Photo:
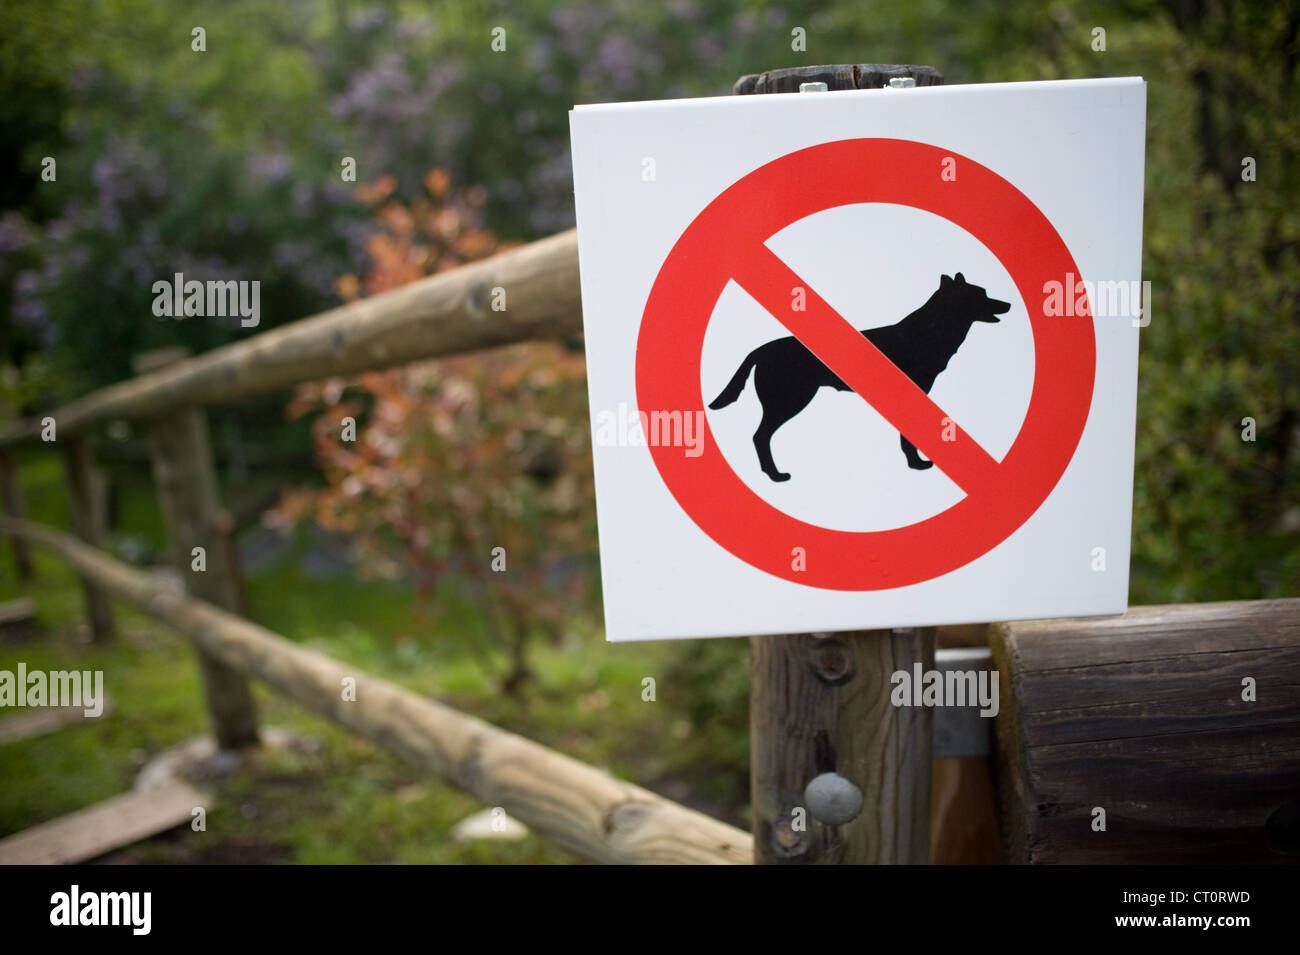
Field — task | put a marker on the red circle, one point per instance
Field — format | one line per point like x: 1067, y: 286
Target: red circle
x: 788, y: 189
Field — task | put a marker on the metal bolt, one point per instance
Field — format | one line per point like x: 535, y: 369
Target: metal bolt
x: 813, y: 87
x: 832, y: 799
x: 901, y: 82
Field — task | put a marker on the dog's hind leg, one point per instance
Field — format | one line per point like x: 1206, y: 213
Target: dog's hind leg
x: 763, y: 445
x: 914, y: 459
x: 781, y: 399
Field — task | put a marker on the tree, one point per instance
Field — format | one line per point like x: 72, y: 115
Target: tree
x: 477, y: 467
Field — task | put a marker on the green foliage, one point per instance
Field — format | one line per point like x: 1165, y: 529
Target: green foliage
x: 1217, y: 517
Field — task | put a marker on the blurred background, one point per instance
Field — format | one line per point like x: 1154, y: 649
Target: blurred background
x: 226, y: 163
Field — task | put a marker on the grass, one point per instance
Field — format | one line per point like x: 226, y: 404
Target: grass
x: 341, y: 799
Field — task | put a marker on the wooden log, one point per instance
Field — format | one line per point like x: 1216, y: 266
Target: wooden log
x: 103, y: 827
x: 1144, y: 716
x: 17, y: 611
x: 186, y: 481
x: 41, y: 721
x: 580, y: 807
x: 88, y: 522
x: 440, y: 315
x: 11, y: 498
x: 819, y: 705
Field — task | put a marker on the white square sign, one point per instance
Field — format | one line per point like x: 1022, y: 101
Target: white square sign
x: 862, y: 359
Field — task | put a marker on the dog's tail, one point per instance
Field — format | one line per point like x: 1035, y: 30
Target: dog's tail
x: 737, y: 383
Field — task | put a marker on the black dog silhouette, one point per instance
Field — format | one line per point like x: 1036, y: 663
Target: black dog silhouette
x: 921, y: 345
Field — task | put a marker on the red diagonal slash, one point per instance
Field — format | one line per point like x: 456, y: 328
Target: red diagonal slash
x: 865, y: 369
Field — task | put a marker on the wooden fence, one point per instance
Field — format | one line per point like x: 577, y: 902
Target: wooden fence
x: 582, y: 808
x: 1137, y: 715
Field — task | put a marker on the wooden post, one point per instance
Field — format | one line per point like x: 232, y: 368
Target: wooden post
x: 12, y: 496
x: 820, y: 704
x: 88, y: 522
x: 187, y: 491
x: 228, y: 536
x: 820, y: 709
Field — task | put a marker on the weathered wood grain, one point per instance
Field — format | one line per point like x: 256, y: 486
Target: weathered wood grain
x: 578, y: 806
x: 1143, y: 715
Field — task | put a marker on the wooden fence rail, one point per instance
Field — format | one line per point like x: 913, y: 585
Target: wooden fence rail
x: 440, y: 315
x: 580, y: 807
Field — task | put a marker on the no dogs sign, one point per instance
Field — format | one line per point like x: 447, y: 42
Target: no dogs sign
x: 862, y: 359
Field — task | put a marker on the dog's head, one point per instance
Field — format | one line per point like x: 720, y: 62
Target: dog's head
x: 970, y: 301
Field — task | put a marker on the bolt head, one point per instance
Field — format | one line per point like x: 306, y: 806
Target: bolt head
x: 832, y: 799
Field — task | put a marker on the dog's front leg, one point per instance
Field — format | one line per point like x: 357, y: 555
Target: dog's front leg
x: 914, y: 459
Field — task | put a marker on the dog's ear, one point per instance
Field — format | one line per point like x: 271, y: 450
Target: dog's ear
x: 961, y: 279
x: 945, y: 281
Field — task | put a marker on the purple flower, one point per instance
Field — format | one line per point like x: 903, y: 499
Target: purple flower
x: 27, y: 283
x: 366, y: 18
x: 301, y: 197
x: 15, y: 233
x: 708, y: 49
x: 269, y: 167
x: 526, y: 120
x: 411, y: 27
x: 684, y: 9
x: 618, y: 56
